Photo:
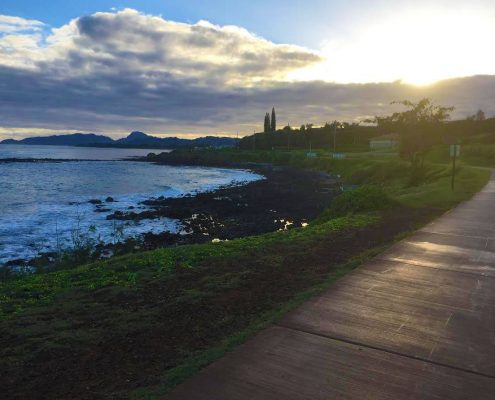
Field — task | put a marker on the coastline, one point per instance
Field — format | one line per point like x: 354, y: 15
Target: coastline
x: 287, y: 197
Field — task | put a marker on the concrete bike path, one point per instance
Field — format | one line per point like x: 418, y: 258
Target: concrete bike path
x: 417, y: 322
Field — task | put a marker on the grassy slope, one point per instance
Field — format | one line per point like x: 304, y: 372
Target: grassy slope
x: 474, y: 154
x: 127, y: 271
x: 160, y: 292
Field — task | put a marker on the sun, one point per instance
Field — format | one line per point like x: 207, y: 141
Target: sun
x: 418, y: 47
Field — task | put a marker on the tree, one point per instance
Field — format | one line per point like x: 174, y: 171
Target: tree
x: 480, y: 115
x: 418, y: 127
x: 302, y: 128
x: 274, y: 120
x: 267, y: 126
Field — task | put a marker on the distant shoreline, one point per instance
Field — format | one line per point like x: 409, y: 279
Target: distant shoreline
x: 98, y: 146
x: 44, y: 160
x: 60, y: 160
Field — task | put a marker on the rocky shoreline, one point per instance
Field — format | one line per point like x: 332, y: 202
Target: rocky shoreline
x: 34, y: 160
x: 11, y: 160
x: 286, y: 198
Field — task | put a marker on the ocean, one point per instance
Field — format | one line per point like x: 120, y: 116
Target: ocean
x: 43, y: 205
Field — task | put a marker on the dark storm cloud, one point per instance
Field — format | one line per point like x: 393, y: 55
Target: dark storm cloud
x: 122, y: 71
x: 102, y: 101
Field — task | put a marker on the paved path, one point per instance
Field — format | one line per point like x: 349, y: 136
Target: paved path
x: 417, y: 322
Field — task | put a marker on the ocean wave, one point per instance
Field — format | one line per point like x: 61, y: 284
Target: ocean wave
x: 49, y: 204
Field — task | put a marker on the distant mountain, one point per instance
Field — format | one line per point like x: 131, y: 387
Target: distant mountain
x: 75, y: 139
x: 135, y: 139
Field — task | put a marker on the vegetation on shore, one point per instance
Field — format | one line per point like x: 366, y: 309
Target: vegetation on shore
x: 354, y: 137
x: 426, y: 186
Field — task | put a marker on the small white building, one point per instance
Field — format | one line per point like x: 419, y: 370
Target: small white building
x: 390, y: 141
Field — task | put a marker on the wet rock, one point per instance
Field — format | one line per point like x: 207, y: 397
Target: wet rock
x: 168, y: 212
x: 17, y: 262
x: 102, y: 210
x: 95, y: 201
x: 109, y: 199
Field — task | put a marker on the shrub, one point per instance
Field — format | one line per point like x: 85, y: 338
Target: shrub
x: 364, y: 198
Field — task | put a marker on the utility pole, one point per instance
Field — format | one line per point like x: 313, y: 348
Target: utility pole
x: 334, y: 136
x: 455, y: 151
x: 288, y: 137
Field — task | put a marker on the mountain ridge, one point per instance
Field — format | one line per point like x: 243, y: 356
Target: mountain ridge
x: 134, y: 139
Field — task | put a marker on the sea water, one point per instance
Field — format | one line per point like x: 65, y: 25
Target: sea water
x: 44, y: 204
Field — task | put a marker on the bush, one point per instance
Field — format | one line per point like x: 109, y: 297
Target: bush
x: 417, y: 176
x: 363, y: 199
x: 380, y: 172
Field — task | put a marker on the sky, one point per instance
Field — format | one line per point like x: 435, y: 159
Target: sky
x: 191, y: 68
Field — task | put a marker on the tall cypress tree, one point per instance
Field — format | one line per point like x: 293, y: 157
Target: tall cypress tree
x: 267, y: 123
x: 274, y: 120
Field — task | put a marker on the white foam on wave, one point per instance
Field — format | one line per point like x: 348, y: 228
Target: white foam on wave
x: 51, y: 225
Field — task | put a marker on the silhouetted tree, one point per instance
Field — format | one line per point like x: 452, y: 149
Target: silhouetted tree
x: 322, y: 137
x: 267, y: 127
x: 274, y: 120
x: 480, y: 115
x: 418, y: 126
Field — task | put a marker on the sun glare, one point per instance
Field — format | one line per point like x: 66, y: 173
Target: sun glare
x: 417, y: 47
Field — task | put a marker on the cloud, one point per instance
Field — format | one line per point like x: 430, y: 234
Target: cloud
x: 128, y: 42
x: 121, y: 71
x: 20, y: 40
x: 12, y: 24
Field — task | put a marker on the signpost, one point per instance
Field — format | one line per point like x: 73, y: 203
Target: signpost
x: 455, y: 152
x: 310, y: 153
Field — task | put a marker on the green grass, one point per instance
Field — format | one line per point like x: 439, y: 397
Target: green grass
x: 479, y: 154
x: 393, y: 175
x: 472, y: 154
x: 42, y: 289
x: 436, y: 190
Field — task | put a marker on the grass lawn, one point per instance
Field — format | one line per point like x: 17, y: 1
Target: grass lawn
x: 134, y: 326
